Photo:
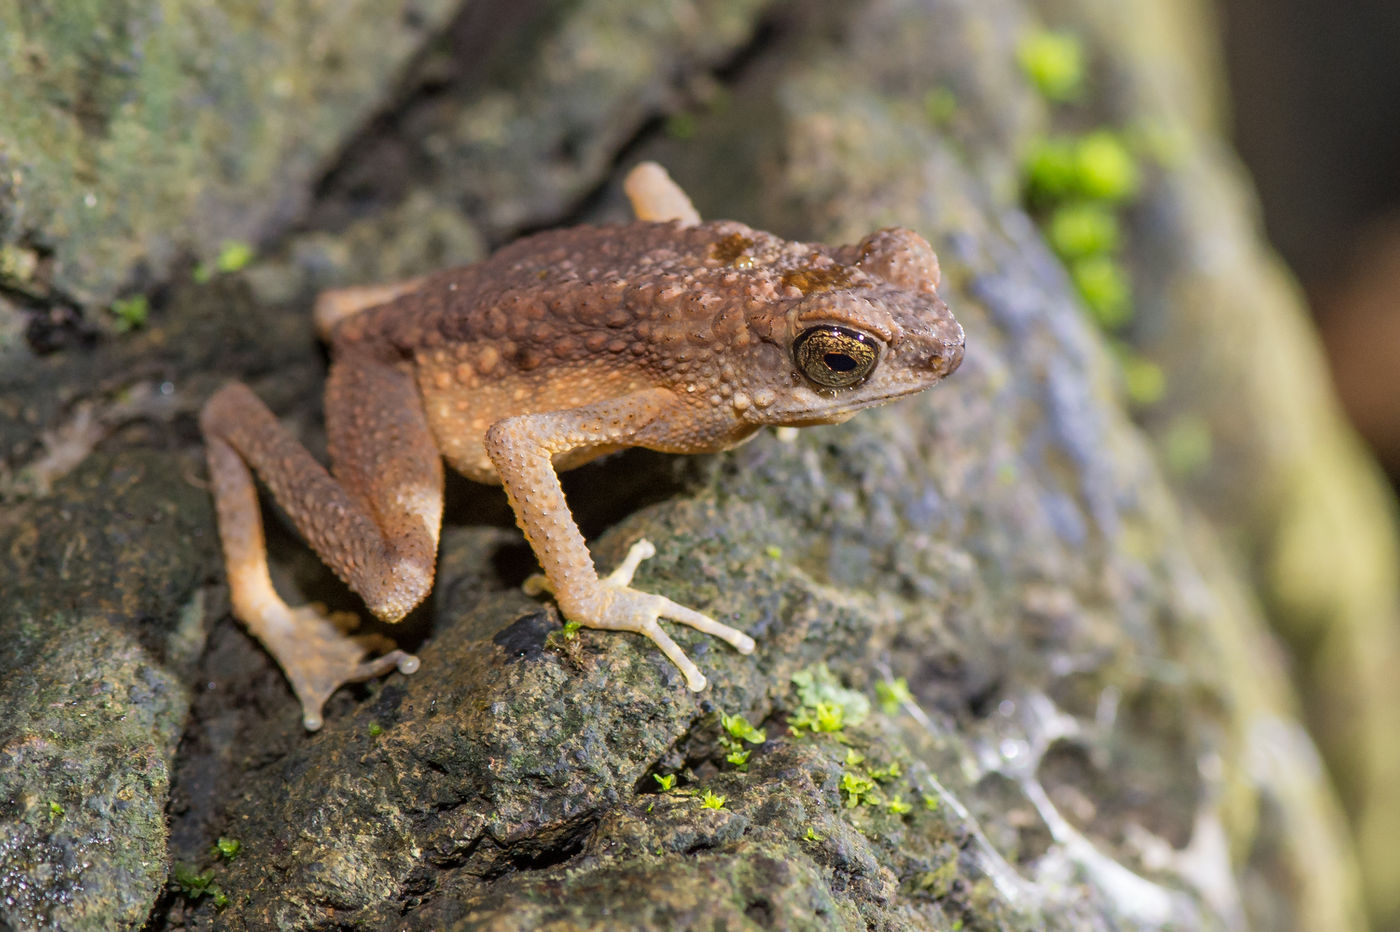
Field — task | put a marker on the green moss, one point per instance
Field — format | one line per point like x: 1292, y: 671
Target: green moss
x: 131, y: 313
x: 939, y: 881
x: 1050, y: 170
x: 892, y: 694
x: 665, y: 781
x: 1054, y: 63
x: 228, y: 848
x: 1083, y: 228
x: 1103, y: 284
x: 233, y: 256
x: 1097, y: 166
x: 1104, y: 168
x: 1143, y: 379
x: 712, y: 800
x: 818, y: 686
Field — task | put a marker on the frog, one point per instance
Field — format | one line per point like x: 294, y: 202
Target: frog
x: 664, y: 332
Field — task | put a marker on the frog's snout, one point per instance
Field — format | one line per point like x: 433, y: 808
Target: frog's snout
x: 942, y: 349
x: 952, y: 355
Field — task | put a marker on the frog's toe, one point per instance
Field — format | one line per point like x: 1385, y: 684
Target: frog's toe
x: 318, y: 658
x: 641, y: 612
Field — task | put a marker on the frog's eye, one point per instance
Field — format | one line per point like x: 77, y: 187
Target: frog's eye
x: 835, y: 357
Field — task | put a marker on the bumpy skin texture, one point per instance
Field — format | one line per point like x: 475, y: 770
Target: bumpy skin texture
x: 668, y: 334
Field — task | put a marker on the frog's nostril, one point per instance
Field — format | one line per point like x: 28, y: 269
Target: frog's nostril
x: 951, y: 357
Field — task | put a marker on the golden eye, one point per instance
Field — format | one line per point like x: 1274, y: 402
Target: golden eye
x: 835, y: 357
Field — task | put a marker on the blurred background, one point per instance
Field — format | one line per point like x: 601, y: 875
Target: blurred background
x: 1315, y: 89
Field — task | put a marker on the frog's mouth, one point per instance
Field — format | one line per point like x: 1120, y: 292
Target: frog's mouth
x: 836, y: 413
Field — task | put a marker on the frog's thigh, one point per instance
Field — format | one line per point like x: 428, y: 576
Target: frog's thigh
x: 335, y: 305
x: 655, y: 196
x: 384, y: 456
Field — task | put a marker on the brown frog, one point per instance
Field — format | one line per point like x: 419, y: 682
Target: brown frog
x: 665, y: 333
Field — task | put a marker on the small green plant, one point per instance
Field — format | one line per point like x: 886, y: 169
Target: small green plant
x: 375, y: 729
x: 812, y: 835
x: 1103, y: 284
x: 892, y: 694
x: 773, y: 552
x: 571, y: 629
x: 854, y: 758
x: 194, y: 885
x: 56, y: 809
x: 228, y: 848
x: 1104, y: 168
x: 856, y: 788
x: 712, y: 800
x: 825, y: 717
x: 818, y: 691
x: 1054, y: 62
x: 1050, y: 171
x: 1083, y: 228
x: 1093, y: 167
x: 1142, y: 378
x: 898, y: 806
x: 930, y: 802
x: 739, y: 727
x: 890, y: 772
x: 131, y: 313
x: 737, y: 730
x: 665, y: 780
x: 233, y: 256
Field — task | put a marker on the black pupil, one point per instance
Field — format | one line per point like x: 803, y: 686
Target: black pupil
x: 839, y: 362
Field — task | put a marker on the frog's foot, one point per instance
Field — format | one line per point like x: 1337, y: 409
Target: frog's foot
x: 318, y: 656
x: 654, y: 196
x: 616, y: 606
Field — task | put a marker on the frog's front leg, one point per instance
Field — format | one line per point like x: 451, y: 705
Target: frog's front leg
x: 375, y: 521
x: 522, y: 449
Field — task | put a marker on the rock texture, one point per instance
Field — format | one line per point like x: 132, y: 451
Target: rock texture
x: 1099, y: 730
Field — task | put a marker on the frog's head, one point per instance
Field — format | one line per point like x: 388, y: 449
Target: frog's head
x: 868, y: 329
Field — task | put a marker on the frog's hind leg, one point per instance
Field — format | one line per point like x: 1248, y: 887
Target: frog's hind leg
x: 378, y: 531
x: 335, y: 305
x: 655, y: 196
